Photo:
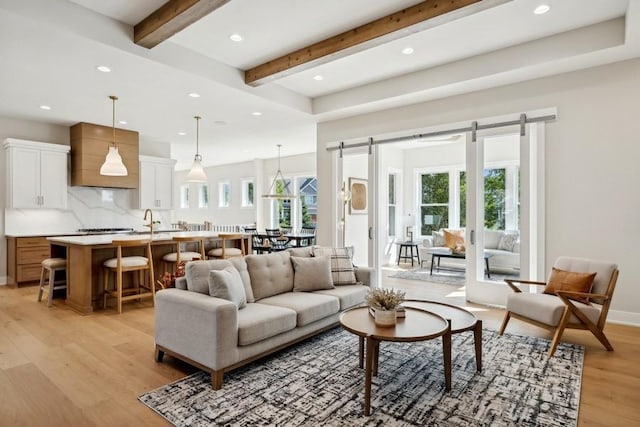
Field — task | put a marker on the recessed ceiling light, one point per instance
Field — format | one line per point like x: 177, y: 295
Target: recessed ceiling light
x: 182, y: 133
x: 318, y: 77
x: 219, y: 123
x: 543, y: 8
x: 122, y: 122
x: 194, y: 95
x: 256, y: 113
x: 103, y: 68
x: 236, y: 37
x: 407, y: 50
x: 45, y: 107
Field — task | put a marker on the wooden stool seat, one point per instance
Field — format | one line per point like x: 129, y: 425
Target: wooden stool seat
x: 178, y: 256
x: 228, y: 252
x: 50, y: 266
x: 122, y: 264
x: 184, y: 256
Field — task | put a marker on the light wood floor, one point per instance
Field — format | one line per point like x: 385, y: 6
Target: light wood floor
x: 58, y: 368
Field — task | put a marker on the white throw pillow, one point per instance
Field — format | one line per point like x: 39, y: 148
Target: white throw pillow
x: 311, y: 274
x: 508, y: 241
x: 227, y: 284
x: 342, y: 270
x: 437, y: 238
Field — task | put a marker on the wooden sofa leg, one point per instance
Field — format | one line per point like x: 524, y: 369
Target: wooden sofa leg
x: 159, y: 355
x: 216, y: 379
x: 507, y: 316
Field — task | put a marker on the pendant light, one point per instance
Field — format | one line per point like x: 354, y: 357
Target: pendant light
x: 273, y: 193
x: 113, y: 165
x: 196, y: 174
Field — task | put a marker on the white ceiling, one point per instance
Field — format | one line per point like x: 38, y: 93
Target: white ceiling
x: 49, y: 50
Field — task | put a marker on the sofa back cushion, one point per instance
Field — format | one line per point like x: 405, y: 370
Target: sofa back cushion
x: 305, y: 251
x: 492, y: 238
x: 197, y: 275
x: 271, y: 274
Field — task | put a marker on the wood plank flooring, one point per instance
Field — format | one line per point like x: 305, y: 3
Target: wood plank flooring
x: 58, y: 368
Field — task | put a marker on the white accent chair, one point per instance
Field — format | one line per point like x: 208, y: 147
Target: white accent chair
x: 560, y: 311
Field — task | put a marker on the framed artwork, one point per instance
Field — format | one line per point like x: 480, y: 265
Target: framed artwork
x: 359, y: 203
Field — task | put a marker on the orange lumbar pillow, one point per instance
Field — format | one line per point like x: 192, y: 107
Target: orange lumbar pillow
x: 453, y: 239
x: 570, y: 281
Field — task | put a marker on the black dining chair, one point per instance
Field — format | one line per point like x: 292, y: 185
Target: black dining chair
x: 277, y: 240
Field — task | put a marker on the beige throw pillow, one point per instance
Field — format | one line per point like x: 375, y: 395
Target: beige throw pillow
x: 311, y: 274
x: 227, y: 284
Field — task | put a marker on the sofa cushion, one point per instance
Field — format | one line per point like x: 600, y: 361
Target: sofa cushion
x: 508, y: 240
x: 197, y: 274
x: 348, y: 295
x: 257, y: 322
x: 311, y: 274
x: 309, y: 307
x: 342, y: 270
x: 437, y: 238
x: 492, y: 238
x: 563, y: 280
x: 271, y: 274
x: 547, y: 309
x: 227, y: 284
x: 305, y: 251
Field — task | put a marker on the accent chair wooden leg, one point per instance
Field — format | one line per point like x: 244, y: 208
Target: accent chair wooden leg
x: 159, y: 355
x: 559, y: 330
x: 507, y: 316
x: 601, y: 337
x: 216, y: 379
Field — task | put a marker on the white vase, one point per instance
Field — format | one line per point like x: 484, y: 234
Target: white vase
x: 385, y: 318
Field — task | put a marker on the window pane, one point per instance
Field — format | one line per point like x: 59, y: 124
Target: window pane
x: 433, y: 218
x: 224, y: 194
x: 435, y: 188
x: 494, y: 198
x: 463, y: 199
x: 308, y: 191
x: 392, y: 189
x: 392, y: 220
x: 203, y: 196
x: 184, y: 196
x: 250, y: 193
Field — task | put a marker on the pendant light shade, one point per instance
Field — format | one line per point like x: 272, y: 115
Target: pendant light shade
x: 279, y: 191
x: 196, y: 173
x: 113, y: 165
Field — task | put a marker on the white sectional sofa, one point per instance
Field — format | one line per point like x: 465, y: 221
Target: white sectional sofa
x: 218, y: 334
x: 503, y: 246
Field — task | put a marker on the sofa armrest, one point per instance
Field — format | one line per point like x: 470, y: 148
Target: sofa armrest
x: 200, y: 327
x: 181, y: 283
x: 367, y: 276
x: 427, y: 242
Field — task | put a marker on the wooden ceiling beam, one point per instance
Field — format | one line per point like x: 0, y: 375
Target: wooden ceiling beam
x: 170, y: 18
x: 352, y: 41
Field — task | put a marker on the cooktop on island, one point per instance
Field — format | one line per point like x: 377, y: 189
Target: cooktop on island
x: 105, y: 230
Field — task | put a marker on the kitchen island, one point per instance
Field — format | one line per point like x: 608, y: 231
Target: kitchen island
x: 85, y: 255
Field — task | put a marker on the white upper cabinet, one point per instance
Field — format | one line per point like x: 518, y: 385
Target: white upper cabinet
x: 36, y: 174
x: 156, y: 183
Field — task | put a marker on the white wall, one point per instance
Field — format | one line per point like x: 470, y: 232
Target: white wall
x: 592, y: 151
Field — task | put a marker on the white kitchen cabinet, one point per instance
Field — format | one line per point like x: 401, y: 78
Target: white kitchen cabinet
x: 156, y: 183
x: 36, y: 174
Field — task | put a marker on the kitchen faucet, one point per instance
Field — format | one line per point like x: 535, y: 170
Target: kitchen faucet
x: 150, y: 225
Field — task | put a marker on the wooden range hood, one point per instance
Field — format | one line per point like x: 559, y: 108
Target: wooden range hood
x: 89, y: 146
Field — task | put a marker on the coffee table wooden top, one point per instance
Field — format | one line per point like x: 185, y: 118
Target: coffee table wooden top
x: 418, y: 325
x: 461, y: 319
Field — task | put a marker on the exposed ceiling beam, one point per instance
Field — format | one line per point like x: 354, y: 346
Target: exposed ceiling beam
x: 355, y: 40
x: 170, y: 18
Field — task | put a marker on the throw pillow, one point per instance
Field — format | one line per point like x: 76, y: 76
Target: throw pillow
x: 342, y: 270
x: 562, y: 280
x: 311, y: 274
x: 437, y: 238
x: 227, y: 284
x: 454, y: 239
x: 508, y: 240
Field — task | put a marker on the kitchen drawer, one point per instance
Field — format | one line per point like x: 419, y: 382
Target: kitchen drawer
x: 33, y: 255
x: 27, y: 242
x: 28, y: 272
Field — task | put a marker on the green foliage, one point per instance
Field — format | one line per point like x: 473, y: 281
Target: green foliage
x: 306, y: 217
x: 494, y: 198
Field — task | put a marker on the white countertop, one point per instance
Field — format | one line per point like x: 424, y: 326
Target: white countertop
x: 106, y: 239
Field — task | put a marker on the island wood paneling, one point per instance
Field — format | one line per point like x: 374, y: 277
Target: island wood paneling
x: 89, y: 146
x: 24, y: 258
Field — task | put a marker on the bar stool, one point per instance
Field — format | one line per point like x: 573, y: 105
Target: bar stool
x: 174, y: 258
x: 123, y: 264
x: 51, y: 266
x: 228, y: 252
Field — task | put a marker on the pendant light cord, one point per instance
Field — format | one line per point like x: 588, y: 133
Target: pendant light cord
x: 113, y: 116
x: 197, y: 136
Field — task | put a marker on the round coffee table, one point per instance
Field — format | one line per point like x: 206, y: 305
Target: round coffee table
x: 417, y: 325
x: 461, y: 321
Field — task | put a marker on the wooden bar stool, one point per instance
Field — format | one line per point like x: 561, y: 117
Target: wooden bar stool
x: 228, y: 252
x: 123, y: 264
x: 51, y: 266
x: 174, y: 258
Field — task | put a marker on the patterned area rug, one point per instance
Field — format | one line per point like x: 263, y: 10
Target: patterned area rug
x: 446, y: 277
x: 318, y: 382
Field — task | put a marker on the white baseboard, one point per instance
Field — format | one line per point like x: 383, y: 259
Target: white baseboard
x: 624, y: 317
x: 4, y: 280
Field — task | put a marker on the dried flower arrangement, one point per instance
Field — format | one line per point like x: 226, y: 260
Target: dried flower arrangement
x: 384, y: 298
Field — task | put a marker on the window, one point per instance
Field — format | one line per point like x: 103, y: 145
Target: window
x: 203, y: 196
x: 308, y: 190
x: 247, y: 193
x: 434, y: 202
x: 224, y: 194
x: 391, y: 202
x: 184, y: 196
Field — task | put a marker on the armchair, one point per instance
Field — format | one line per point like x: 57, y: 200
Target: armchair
x: 563, y: 310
